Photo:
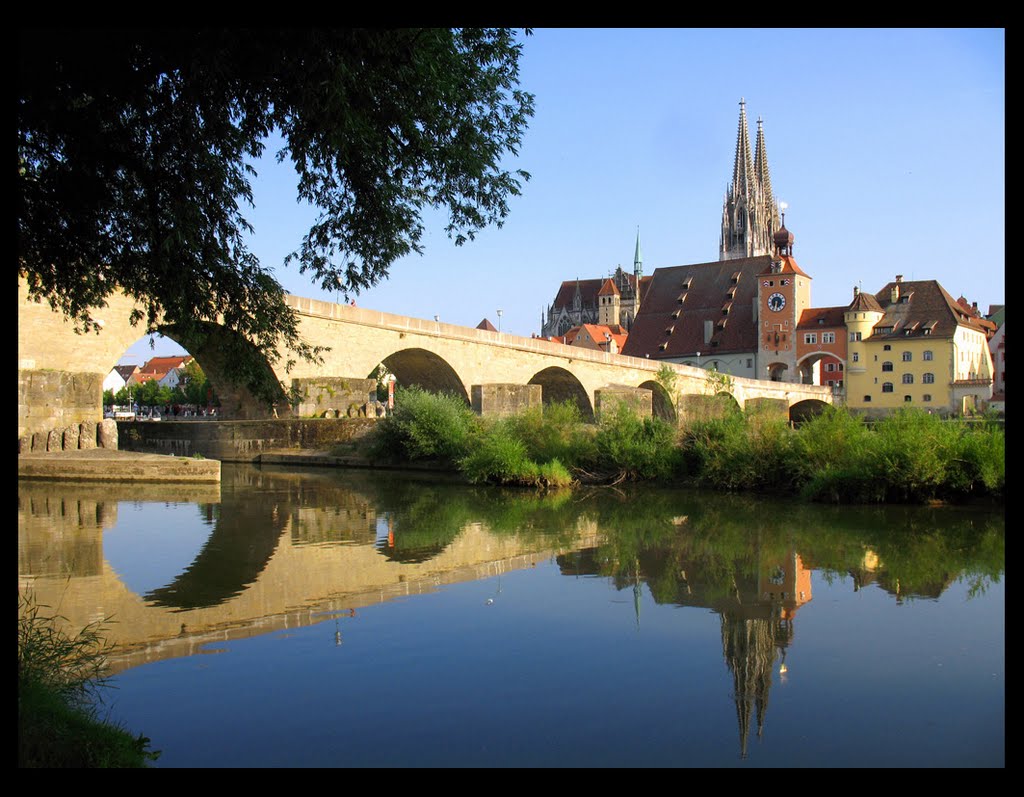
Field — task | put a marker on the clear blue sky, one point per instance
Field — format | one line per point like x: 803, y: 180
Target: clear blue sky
x: 888, y: 146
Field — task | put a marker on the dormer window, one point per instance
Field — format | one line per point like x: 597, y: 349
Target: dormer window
x: 675, y: 314
x: 736, y: 277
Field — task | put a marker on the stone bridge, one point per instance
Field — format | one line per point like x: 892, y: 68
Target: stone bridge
x: 60, y: 373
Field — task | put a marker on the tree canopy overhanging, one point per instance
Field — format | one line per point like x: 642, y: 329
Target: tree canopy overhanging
x: 135, y: 151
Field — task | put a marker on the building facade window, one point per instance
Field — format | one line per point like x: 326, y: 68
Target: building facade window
x: 927, y: 355
x: 886, y: 347
x: 908, y: 379
x: 828, y: 337
x: 887, y: 387
x: 927, y: 397
x: 907, y: 399
x: 928, y: 379
x: 856, y: 357
x: 867, y: 399
x: 908, y: 356
x: 830, y: 367
x: 810, y: 337
x: 854, y: 336
x: 887, y: 366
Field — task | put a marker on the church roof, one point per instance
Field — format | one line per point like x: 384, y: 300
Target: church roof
x: 487, y: 325
x: 608, y: 288
x: 680, y: 299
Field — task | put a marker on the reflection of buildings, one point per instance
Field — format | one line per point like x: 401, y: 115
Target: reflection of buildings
x: 756, y: 602
x: 757, y: 628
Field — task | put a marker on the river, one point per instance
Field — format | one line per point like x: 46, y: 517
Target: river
x: 346, y: 618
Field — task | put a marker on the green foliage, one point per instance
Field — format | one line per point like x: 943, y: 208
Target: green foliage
x: 635, y: 447
x: 556, y: 431
x: 666, y: 377
x: 716, y: 382
x: 740, y: 451
x: 500, y: 457
x: 426, y: 426
x: 59, y: 682
x: 135, y: 151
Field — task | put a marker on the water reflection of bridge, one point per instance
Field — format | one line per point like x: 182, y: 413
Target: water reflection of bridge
x: 287, y: 560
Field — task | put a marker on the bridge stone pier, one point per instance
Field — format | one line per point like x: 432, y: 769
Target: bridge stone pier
x: 60, y: 373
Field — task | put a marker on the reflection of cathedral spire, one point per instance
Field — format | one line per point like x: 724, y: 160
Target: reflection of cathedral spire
x: 749, y: 649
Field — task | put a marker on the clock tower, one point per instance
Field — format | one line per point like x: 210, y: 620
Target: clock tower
x: 783, y: 293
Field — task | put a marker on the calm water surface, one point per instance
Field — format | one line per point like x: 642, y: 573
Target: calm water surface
x: 322, y: 618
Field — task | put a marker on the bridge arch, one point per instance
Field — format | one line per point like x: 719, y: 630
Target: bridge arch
x: 217, y: 349
x: 662, y: 405
x: 425, y: 370
x: 559, y: 385
x: 806, y: 409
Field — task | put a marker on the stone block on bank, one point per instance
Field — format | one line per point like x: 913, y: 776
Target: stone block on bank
x: 54, y: 440
x: 87, y: 434
x: 70, y: 438
x: 107, y: 436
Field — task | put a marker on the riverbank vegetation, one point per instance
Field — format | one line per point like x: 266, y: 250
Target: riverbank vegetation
x: 836, y: 457
x: 60, y: 678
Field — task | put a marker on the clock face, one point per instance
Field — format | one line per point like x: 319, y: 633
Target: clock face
x: 776, y: 302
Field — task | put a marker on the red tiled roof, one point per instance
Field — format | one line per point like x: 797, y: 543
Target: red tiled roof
x: 818, y: 317
x: 669, y: 305
x: 162, y: 365
x: 608, y: 288
x: 487, y: 325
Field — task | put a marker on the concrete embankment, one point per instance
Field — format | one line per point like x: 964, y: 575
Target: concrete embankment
x: 111, y: 465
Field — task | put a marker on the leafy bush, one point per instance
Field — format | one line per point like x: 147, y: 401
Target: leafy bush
x: 635, y: 448
x: 426, y: 426
x: 555, y: 431
x: 499, y: 457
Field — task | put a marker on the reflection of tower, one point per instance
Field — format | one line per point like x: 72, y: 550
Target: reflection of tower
x: 753, y: 633
x: 749, y: 649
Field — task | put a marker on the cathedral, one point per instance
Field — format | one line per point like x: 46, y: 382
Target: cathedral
x: 750, y: 216
x: 580, y: 302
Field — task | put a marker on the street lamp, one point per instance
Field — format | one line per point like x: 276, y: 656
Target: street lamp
x: 499, y: 320
x: 698, y: 359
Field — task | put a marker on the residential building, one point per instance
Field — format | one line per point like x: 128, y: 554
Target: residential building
x: 912, y: 344
x: 118, y: 377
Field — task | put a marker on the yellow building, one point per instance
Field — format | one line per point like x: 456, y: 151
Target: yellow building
x: 913, y: 345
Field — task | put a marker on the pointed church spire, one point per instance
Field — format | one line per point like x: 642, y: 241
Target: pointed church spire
x: 749, y: 213
x: 638, y: 258
x: 742, y: 170
x: 764, y: 179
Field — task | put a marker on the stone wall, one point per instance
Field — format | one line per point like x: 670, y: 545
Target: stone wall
x: 239, y: 441
x: 332, y: 397
x: 57, y: 399
x: 503, y: 399
x: 639, y: 400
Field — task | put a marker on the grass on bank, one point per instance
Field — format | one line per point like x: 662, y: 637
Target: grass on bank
x: 60, y: 678
x: 836, y: 456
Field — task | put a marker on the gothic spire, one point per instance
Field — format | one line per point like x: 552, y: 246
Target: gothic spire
x: 764, y: 179
x: 638, y: 258
x: 742, y: 170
